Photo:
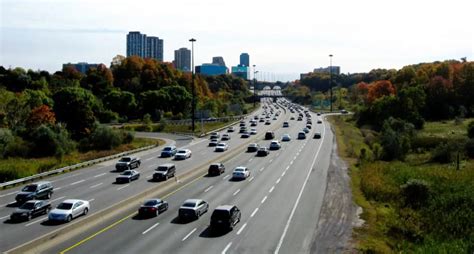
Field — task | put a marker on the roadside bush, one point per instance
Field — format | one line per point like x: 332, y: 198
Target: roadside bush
x: 470, y: 129
x: 127, y: 137
x: 425, y: 142
x: 17, y: 148
x: 6, y: 138
x: 444, y: 153
x: 102, y: 138
x: 108, y: 116
x: 50, y: 141
x: 395, y: 138
x: 415, y: 193
x: 469, y: 147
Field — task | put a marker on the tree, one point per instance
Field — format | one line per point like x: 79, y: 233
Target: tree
x: 396, y: 137
x: 122, y: 102
x: 379, y: 89
x: 41, y: 115
x: 99, y: 80
x: 51, y: 141
x: 75, y: 106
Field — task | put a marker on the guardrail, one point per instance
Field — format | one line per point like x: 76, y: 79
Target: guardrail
x: 72, y: 167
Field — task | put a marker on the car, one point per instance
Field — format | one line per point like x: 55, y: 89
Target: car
x: 274, y: 118
x: 318, y: 114
x: 165, y: 171
x: 215, y: 135
x: 168, y: 151
x: 183, y: 154
x: 253, y: 124
x: 253, y: 147
x: 292, y: 118
x: 127, y: 163
x: 225, y: 136
x: 193, y: 209
x: 216, y: 169
x: 243, y: 129
x: 263, y: 151
x: 301, y: 135
x: 152, y: 207
x: 286, y: 125
x: 343, y: 111
x: 269, y: 135
x: 69, y: 209
x: 319, y: 121
x: 213, y: 142
x: 240, y: 173
x: 308, y: 126
x: 261, y: 120
x: 275, y: 145
x: 231, y: 129
x: 267, y: 122
x: 242, y: 124
x: 300, y: 118
x: 253, y: 131
x: 286, y: 137
x: 245, y: 135
x: 221, y: 147
x: 306, y: 130
x: 127, y: 176
x: 317, y: 135
x: 225, y: 217
x: 43, y: 189
x: 255, y: 117
x: 30, y: 209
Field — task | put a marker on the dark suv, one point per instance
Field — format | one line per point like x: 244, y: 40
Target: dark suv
x: 216, y: 169
x: 269, y: 135
x: 225, y: 217
x: 165, y: 171
x: 35, y: 191
x: 127, y: 163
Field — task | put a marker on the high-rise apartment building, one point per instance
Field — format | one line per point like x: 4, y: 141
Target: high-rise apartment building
x: 244, y: 59
x: 218, y: 60
x: 182, y: 59
x: 139, y: 44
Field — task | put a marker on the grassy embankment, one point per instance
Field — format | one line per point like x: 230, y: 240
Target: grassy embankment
x: 14, y: 168
x: 444, y: 220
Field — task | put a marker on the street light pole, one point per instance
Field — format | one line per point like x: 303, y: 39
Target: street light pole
x: 193, y: 104
x: 254, y: 87
x: 330, y: 79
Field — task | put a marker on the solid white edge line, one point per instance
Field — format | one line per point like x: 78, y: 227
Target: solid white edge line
x: 226, y: 247
x: 150, y: 228
x: 225, y: 177
x: 241, y: 229
x: 189, y: 234
x: 299, y: 196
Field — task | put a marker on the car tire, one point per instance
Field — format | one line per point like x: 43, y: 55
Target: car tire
x: 68, y: 218
x: 29, y: 217
x: 48, y: 196
x: 166, y: 207
x: 46, y: 211
x: 85, y: 211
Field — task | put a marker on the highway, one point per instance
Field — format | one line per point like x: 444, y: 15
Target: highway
x: 280, y: 204
x: 97, y: 185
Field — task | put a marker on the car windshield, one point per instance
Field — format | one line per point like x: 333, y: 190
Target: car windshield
x: 181, y: 151
x: 221, y: 145
x: 151, y: 203
x: 239, y: 170
x: 65, y: 206
x: 162, y: 169
x: 27, y: 206
x: 220, y: 214
x: 29, y: 188
x: 126, y: 159
x: 167, y: 149
x: 189, y: 204
x: 126, y: 173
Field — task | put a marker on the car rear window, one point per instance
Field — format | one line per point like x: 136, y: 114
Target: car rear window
x: 220, y: 214
x: 151, y: 203
x: 162, y: 168
x: 126, y: 159
x: 189, y: 204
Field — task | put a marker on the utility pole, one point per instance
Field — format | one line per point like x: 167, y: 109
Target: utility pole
x: 193, y: 102
x: 330, y: 80
x: 254, y: 87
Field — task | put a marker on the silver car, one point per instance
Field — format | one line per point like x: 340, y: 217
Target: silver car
x: 193, y: 209
x: 69, y: 209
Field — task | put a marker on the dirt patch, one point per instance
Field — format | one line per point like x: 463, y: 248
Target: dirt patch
x: 338, y: 214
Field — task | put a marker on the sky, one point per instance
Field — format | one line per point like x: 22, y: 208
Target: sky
x: 283, y: 37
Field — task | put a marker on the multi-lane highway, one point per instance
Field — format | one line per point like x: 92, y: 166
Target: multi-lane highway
x: 280, y: 201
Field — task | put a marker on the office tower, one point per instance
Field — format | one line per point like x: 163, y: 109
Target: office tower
x: 154, y: 48
x: 244, y: 59
x: 146, y: 47
x: 218, y: 60
x: 182, y: 59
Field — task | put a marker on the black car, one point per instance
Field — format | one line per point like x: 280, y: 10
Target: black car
x: 317, y: 135
x: 225, y: 217
x: 165, y: 171
x: 269, y: 135
x: 153, y: 207
x: 35, y: 191
x: 263, y: 151
x: 216, y: 169
x: 30, y: 209
x: 253, y: 147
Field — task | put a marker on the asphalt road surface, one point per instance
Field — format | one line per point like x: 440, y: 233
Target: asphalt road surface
x: 281, y: 201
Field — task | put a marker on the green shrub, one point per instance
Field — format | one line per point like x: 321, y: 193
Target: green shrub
x: 445, y: 152
x: 395, y: 138
x: 470, y: 129
x: 415, y: 193
x: 50, y: 141
x: 102, y: 138
x: 108, y: 116
x: 425, y: 142
x: 469, y: 147
x: 127, y: 137
x: 6, y: 138
x: 17, y: 148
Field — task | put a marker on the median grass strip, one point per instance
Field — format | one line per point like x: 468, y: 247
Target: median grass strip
x: 415, y: 205
x: 15, y: 168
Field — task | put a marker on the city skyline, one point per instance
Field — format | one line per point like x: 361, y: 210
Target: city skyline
x: 284, y: 40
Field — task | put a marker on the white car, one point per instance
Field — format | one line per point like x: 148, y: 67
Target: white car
x: 286, y: 137
x: 231, y: 129
x: 69, y: 209
x: 182, y: 154
x: 225, y: 136
x: 221, y: 147
x: 253, y: 131
x: 240, y: 173
x: 275, y: 145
